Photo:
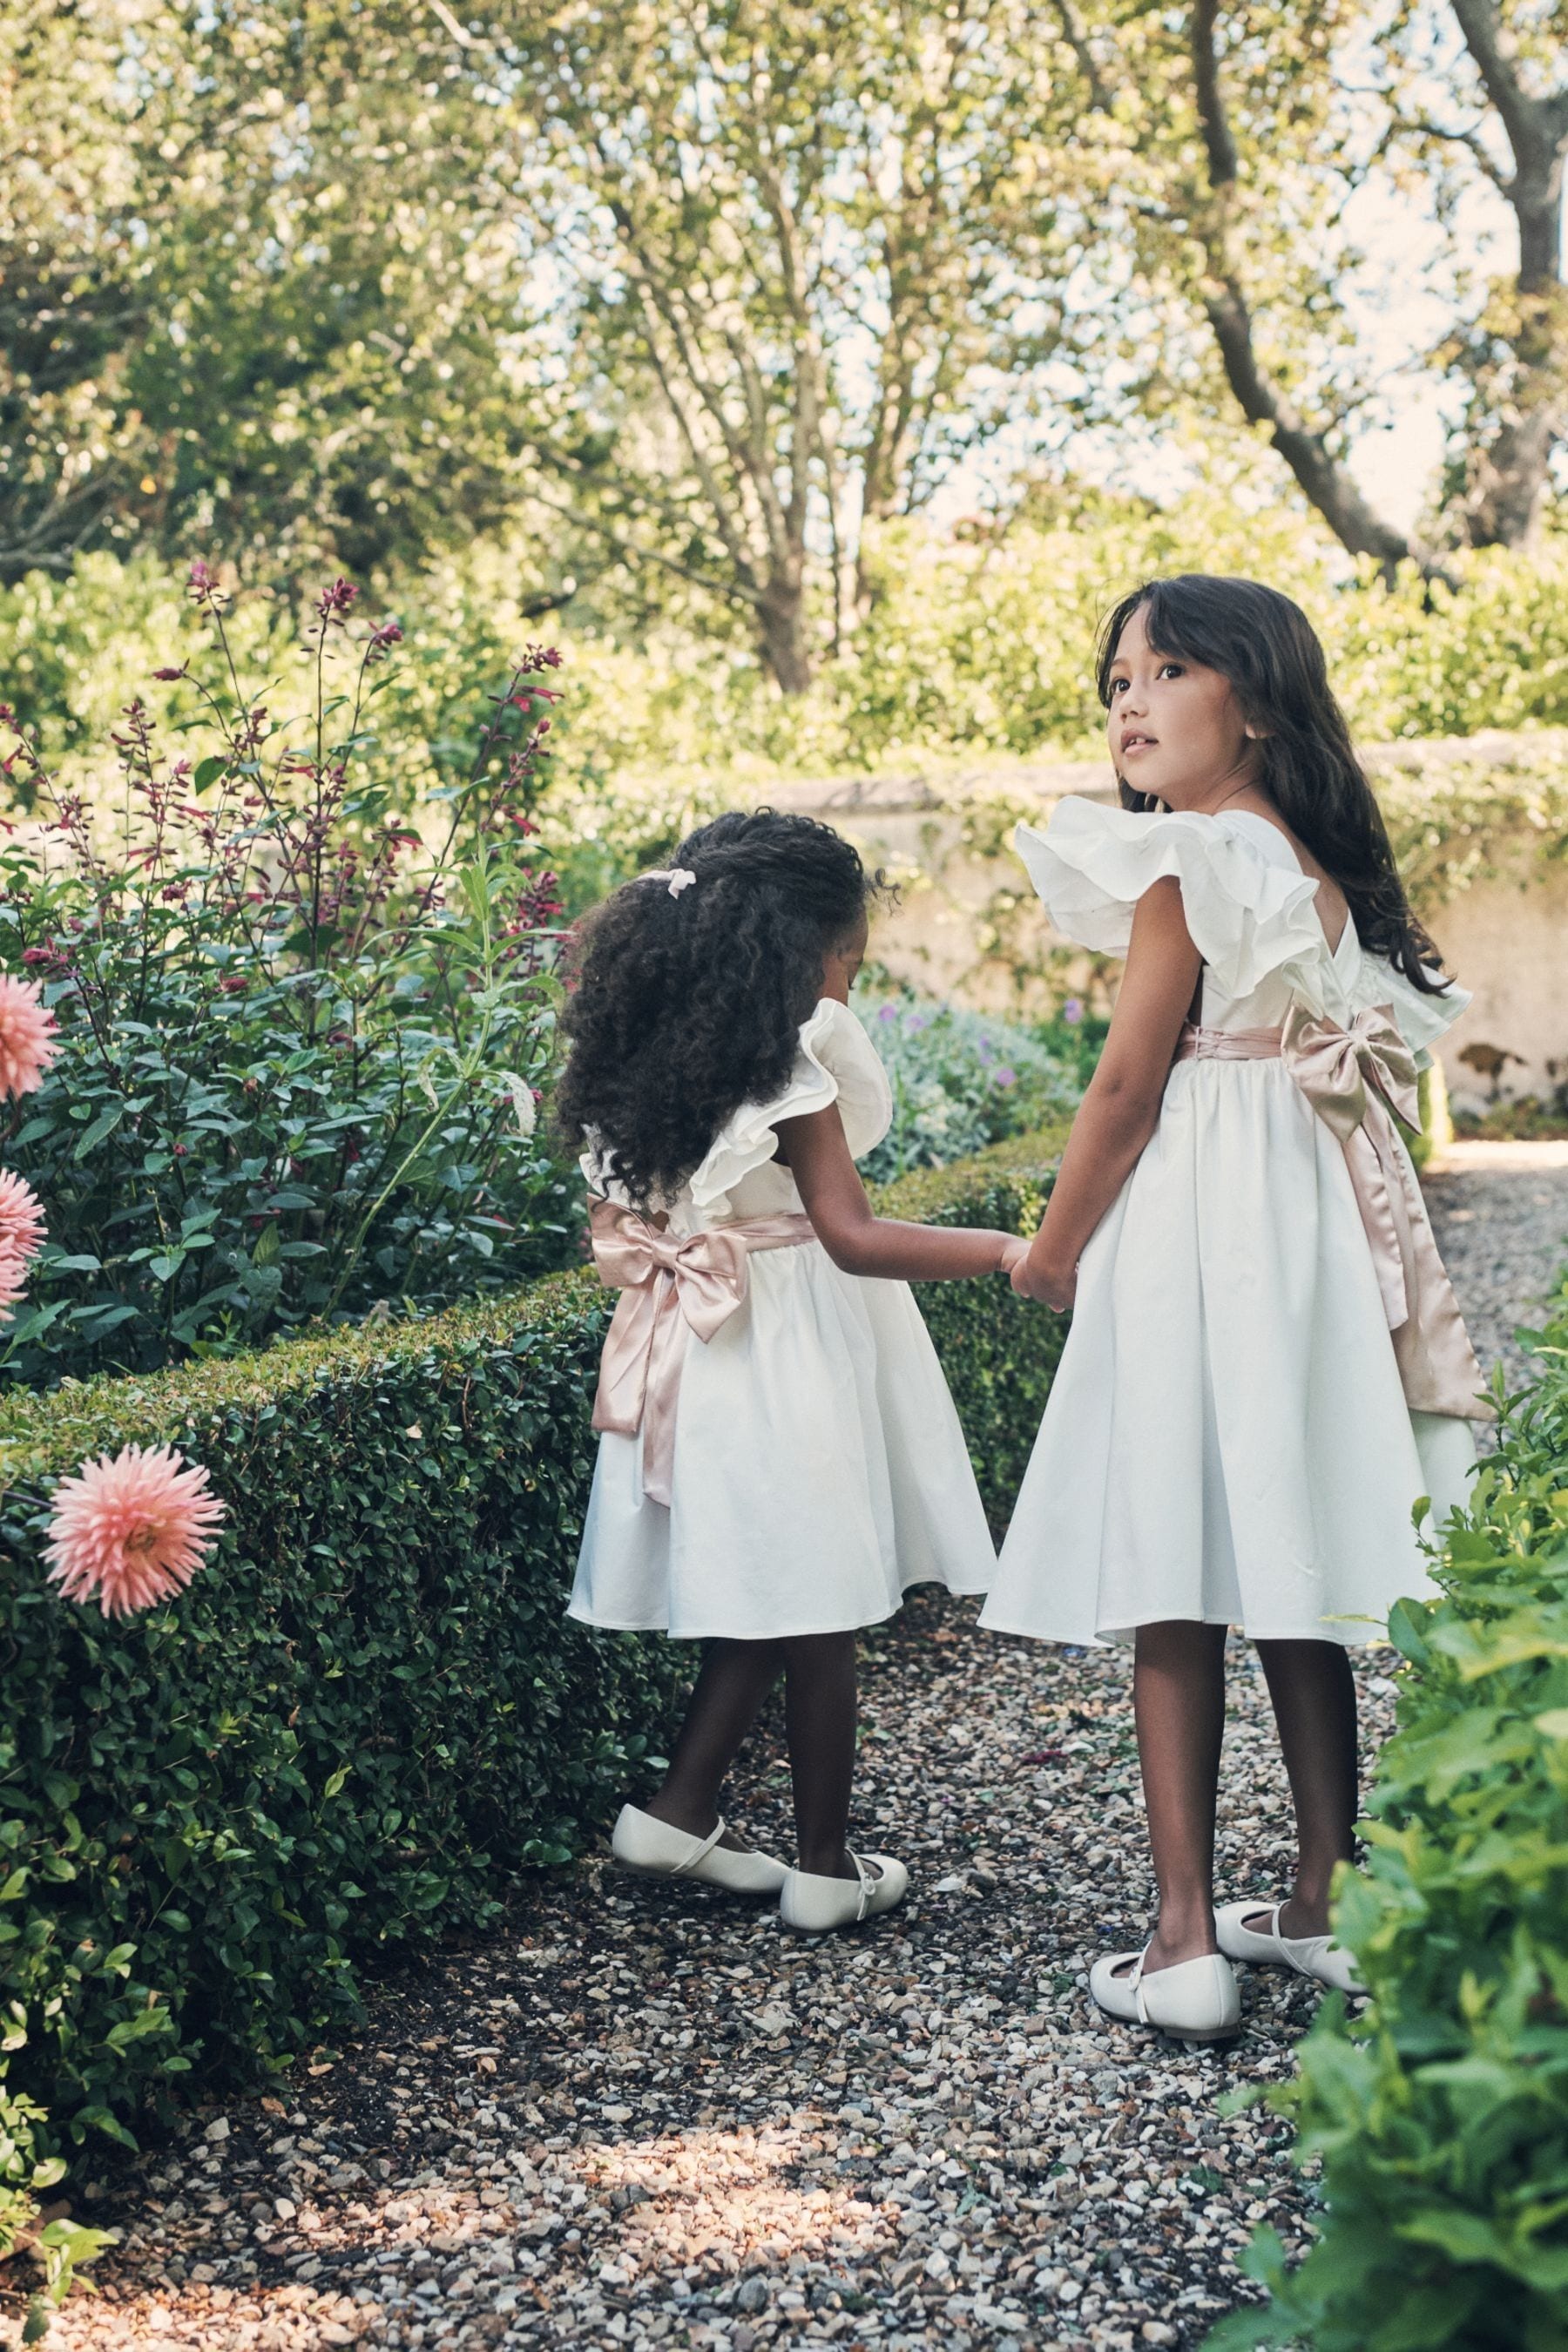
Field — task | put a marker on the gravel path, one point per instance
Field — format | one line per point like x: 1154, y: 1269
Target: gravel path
x: 646, y: 2118
x: 1500, y: 1213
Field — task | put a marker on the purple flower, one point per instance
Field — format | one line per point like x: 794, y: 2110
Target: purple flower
x: 1072, y: 1011
x: 1005, y: 1076
x: 915, y: 1021
x: 333, y: 603
x: 888, y: 1012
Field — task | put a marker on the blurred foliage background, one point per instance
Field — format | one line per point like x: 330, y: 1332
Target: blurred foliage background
x: 821, y: 372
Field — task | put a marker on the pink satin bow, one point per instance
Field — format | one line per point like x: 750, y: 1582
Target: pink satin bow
x: 1356, y: 1078
x: 670, y: 1283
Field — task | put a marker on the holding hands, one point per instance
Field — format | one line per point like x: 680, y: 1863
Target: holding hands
x: 1034, y: 1274
x: 1030, y: 1269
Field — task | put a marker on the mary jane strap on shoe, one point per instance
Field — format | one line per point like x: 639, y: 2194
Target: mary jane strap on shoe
x: 814, y: 1906
x: 1195, y: 2002
x: 642, y: 1843
x: 1318, y: 1957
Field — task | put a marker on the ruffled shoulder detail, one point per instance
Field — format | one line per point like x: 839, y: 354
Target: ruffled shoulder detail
x: 834, y: 1062
x: 1420, y: 1019
x: 1249, y: 915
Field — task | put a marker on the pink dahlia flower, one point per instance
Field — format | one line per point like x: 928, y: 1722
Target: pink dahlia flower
x: 28, y: 1037
x: 13, y: 1279
x: 133, y: 1530
x: 21, y: 1217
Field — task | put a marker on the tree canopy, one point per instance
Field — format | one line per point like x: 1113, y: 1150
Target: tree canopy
x: 706, y: 296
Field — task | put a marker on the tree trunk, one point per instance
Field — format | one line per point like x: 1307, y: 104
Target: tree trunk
x: 781, y: 623
x: 1506, y: 496
x: 1327, y: 481
x: 1321, y: 471
x: 1510, y: 474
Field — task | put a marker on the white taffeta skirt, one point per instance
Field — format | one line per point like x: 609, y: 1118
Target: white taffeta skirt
x: 1226, y: 1438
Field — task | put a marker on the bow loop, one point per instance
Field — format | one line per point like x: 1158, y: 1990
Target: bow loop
x: 670, y: 1283
x: 1337, y: 1069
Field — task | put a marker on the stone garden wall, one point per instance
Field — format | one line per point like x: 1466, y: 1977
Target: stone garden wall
x: 1480, y: 823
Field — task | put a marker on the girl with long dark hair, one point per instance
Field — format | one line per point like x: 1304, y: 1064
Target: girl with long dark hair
x: 1267, y: 1369
x: 779, y: 1457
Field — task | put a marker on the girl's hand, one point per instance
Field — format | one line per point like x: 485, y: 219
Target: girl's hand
x: 1049, y: 1285
x: 1015, y: 1250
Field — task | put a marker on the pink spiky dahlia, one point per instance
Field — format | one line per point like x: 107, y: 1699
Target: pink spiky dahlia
x: 12, y: 1280
x: 132, y: 1530
x: 22, y: 1226
x: 29, y: 1038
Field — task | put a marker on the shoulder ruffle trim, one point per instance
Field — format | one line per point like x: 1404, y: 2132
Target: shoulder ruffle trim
x: 1247, y: 917
x: 1420, y: 1019
x: 836, y: 1061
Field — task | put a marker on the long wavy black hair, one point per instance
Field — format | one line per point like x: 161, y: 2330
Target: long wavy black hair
x: 1268, y: 650
x: 684, y: 1007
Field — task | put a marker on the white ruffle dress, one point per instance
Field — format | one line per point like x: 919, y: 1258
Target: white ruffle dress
x: 819, y: 1468
x: 1226, y: 1438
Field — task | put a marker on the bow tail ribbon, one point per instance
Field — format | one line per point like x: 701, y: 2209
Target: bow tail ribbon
x: 668, y: 1285
x: 1356, y: 1080
x: 672, y: 1286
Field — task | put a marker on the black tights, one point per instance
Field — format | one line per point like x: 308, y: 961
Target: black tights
x: 819, y: 1719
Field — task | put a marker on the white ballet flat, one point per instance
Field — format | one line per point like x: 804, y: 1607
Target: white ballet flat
x: 1196, y: 2001
x: 1311, y: 1956
x: 817, y: 1906
x: 642, y: 1843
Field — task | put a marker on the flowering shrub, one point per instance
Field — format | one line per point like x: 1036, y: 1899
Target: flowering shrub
x: 299, y: 1047
x: 961, y: 1080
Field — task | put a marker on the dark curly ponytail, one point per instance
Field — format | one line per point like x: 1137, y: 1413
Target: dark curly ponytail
x: 686, y: 1006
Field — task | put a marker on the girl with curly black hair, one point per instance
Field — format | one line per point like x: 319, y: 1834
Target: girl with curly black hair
x: 779, y: 1457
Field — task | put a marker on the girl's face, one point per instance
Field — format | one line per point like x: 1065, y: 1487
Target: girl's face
x: 1176, y: 729
x: 841, y: 965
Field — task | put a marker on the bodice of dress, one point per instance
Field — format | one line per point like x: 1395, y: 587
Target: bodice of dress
x: 1250, y: 910
x: 834, y: 1062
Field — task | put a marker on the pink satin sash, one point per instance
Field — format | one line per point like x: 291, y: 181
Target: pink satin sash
x: 1355, y: 1078
x: 670, y: 1283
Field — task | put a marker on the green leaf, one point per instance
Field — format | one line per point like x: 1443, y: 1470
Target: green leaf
x: 101, y: 1127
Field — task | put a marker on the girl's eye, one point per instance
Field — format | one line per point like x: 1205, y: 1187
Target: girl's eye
x: 1117, y: 684
x: 1171, y: 669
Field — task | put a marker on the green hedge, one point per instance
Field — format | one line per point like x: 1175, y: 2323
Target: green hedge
x: 1442, y: 2118
x: 368, y: 1710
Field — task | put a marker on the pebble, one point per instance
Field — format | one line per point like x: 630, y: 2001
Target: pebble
x: 647, y: 2115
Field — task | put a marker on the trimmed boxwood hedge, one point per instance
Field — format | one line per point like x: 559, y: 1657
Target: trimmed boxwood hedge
x: 368, y: 1711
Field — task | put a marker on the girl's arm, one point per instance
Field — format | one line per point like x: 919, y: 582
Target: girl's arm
x: 859, y: 1242
x: 1121, y: 1107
